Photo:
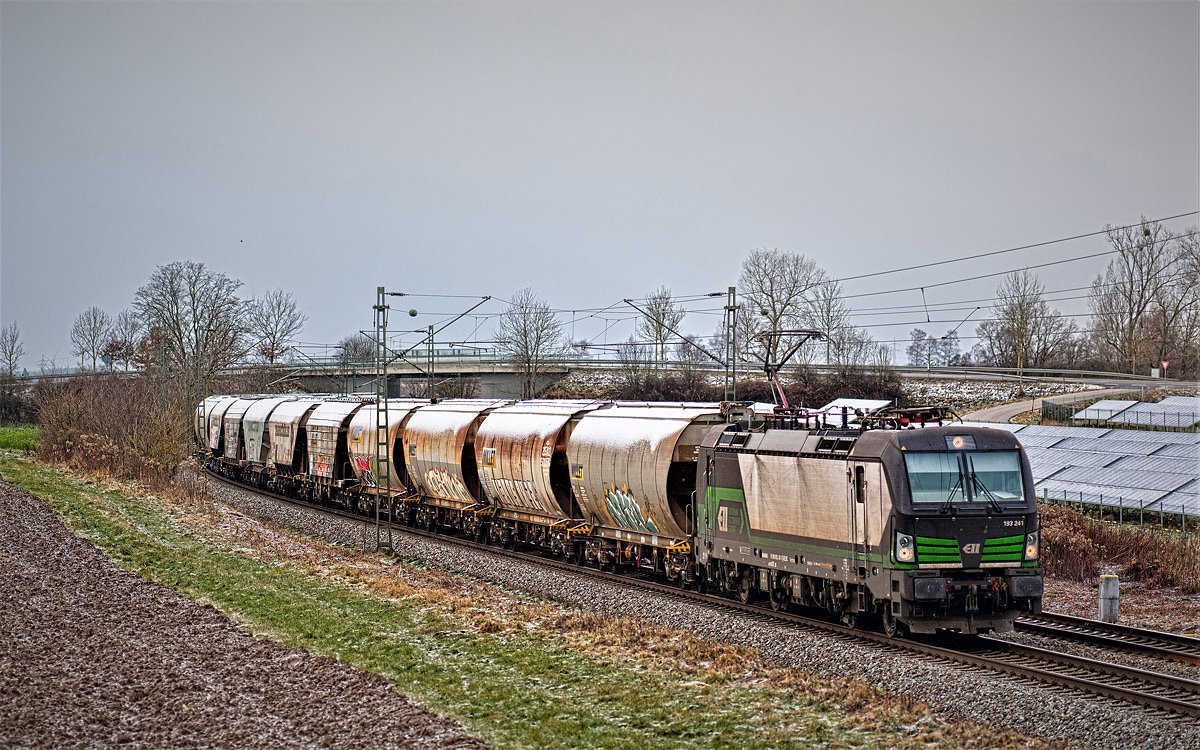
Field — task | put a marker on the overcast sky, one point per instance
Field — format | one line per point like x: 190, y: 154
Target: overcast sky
x: 592, y: 151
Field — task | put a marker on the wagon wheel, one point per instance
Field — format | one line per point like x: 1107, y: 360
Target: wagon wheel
x: 744, y: 588
x: 778, y: 599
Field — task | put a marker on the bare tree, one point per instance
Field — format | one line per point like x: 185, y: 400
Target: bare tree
x: 1189, y: 250
x: 926, y: 351
x: 690, y: 353
x: 11, y: 349
x: 89, y: 334
x: 531, y: 335
x: 662, y: 315
x: 634, y: 370
x: 1122, y: 295
x: 274, y: 321
x: 776, y: 289
x: 826, y: 312
x: 845, y: 343
x: 195, y: 316
x: 919, y: 349
x: 1173, y: 320
x: 123, y: 338
x: 356, y: 349
x: 1024, y: 331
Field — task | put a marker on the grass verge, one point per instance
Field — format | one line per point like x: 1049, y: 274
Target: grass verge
x: 21, y: 437
x: 517, y: 673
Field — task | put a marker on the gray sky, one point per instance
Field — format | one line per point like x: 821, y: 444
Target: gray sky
x: 593, y: 151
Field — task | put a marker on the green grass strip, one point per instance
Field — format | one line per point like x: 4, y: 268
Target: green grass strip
x: 22, y: 437
x: 521, y: 690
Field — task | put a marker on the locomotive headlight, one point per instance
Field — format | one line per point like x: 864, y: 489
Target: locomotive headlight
x: 1031, y: 546
x: 905, y: 551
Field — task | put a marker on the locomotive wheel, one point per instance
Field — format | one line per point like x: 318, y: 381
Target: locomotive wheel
x: 744, y: 588
x: 891, y: 626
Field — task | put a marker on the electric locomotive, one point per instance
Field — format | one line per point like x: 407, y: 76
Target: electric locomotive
x: 926, y: 529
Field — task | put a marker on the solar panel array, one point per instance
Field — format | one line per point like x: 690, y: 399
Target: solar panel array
x: 1104, y: 409
x: 1133, y: 469
x: 1172, y: 412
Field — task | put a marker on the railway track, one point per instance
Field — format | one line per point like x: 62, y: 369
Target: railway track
x: 1169, y: 646
x: 1165, y: 695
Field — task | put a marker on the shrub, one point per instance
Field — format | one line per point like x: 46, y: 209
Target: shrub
x: 1073, y: 546
x: 134, y: 428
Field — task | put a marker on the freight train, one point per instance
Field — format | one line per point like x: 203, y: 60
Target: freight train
x: 915, y: 525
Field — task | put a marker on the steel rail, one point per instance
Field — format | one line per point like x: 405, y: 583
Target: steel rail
x: 1170, y: 646
x: 1172, y: 696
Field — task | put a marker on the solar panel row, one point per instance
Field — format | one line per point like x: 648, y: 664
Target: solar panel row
x: 1126, y: 468
x: 1173, y: 411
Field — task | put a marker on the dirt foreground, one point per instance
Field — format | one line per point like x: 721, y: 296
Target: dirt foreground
x: 93, y: 656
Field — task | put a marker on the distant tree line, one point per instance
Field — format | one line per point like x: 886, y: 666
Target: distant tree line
x: 129, y: 413
x: 778, y: 291
x: 190, y: 320
x: 1145, y: 310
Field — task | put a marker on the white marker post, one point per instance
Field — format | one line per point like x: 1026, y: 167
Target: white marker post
x: 1109, y: 598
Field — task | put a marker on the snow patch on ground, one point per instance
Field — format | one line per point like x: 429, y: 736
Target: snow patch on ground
x: 962, y: 395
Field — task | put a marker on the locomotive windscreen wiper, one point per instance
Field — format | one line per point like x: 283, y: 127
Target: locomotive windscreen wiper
x: 978, y: 484
x: 949, y: 504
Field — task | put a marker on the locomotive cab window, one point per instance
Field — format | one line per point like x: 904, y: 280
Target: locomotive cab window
x: 934, y: 477
x: 989, y: 477
x: 997, y: 473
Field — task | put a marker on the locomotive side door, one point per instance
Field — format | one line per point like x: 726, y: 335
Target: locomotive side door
x: 856, y: 475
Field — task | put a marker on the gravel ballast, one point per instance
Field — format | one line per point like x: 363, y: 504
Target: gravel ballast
x: 954, y: 692
x: 93, y: 656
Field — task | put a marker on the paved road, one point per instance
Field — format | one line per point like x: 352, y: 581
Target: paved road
x: 1006, y: 412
